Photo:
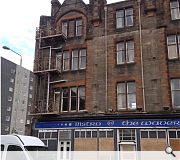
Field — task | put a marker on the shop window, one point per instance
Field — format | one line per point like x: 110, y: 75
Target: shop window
x: 173, y: 44
x: 126, y: 96
x: 175, y: 9
x: 175, y: 92
x: 94, y: 134
x: 153, y: 134
x: 124, y: 18
x: 174, y: 134
x: 102, y: 134
x: 126, y: 134
x: 125, y: 52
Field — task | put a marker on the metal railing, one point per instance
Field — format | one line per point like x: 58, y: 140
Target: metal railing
x: 47, y: 64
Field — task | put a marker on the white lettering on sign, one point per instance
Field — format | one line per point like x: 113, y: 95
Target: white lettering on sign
x: 87, y: 124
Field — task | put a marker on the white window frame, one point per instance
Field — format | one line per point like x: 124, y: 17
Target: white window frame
x: 126, y: 50
x: 174, y: 44
x: 10, y: 89
x: 123, y: 18
x: 10, y: 98
x: 126, y: 94
x: 175, y: 16
x: 75, y: 59
x: 79, y: 26
x: 8, y: 118
x: 81, y: 56
x: 174, y: 90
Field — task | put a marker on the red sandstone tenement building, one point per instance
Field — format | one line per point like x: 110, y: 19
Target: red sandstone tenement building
x: 108, y: 76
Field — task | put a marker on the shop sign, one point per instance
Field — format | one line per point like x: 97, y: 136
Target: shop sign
x: 134, y: 123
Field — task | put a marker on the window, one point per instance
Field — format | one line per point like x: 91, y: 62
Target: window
x: 173, y: 42
x: 175, y: 11
x: 64, y: 28
x: 65, y: 99
x: 66, y: 61
x: 79, y: 27
x: 126, y: 134
x: 30, y: 95
x: 78, y: 59
x: 73, y: 99
x: 124, y: 18
x: 81, y: 98
x: 2, y: 148
x: 31, y: 87
x: 31, y: 79
x: 59, y: 61
x: 82, y: 60
x: 10, y: 89
x: 9, y: 98
x: 12, y: 80
x: 126, y: 96
x: 174, y: 134
x: 72, y: 28
x: 175, y: 92
x: 14, y: 148
x: 7, y: 118
x: 94, y: 133
x: 125, y: 52
x: 6, y: 128
x: 153, y: 134
x: 74, y: 65
x: 13, y: 71
x: 8, y: 109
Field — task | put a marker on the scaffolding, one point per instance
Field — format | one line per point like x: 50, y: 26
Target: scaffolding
x: 47, y: 63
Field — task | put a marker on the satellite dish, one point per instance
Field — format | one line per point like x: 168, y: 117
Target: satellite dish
x: 169, y: 150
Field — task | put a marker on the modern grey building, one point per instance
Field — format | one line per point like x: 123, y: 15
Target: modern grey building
x: 16, y: 97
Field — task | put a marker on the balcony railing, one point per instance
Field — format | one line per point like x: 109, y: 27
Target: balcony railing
x: 47, y: 64
x: 41, y: 107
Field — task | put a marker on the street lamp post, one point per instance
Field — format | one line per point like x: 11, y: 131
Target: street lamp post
x: 7, y: 48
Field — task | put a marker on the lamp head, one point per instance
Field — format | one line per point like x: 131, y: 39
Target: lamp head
x: 5, y: 47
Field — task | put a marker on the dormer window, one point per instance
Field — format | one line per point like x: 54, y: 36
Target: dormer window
x: 72, y: 28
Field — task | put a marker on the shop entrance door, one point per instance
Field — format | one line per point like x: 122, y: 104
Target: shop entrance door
x: 65, y: 148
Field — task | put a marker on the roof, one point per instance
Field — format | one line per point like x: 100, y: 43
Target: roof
x: 21, y: 140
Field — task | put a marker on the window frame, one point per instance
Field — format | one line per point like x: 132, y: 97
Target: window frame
x: 66, y: 27
x: 125, y: 95
x: 69, y: 105
x: 176, y: 44
x: 66, y: 60
x: 123, y: 18
x: 174, y: 90
x: 177, y: 8
x: 125, y: 51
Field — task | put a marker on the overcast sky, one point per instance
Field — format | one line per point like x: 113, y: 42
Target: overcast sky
x: 19, y: 19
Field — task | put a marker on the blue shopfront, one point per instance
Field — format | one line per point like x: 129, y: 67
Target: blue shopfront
x: 120, y: 134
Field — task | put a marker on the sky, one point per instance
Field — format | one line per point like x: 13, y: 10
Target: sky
x: 19, y: 19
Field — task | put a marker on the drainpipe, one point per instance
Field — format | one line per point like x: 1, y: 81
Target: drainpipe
x: 141, y: 52
x: 106, y: 58
x: 47, y: 105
